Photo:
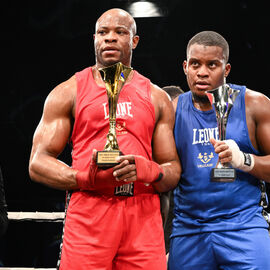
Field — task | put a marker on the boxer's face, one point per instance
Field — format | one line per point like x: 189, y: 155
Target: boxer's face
x: 205, y: 68
x: 114, y: 39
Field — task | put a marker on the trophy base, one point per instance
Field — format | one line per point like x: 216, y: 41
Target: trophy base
x: 223, y: 175
x: 107, y: 159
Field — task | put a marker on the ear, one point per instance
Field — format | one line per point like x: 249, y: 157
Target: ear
x: 185, y: 66
x: 227, y: 69
x: 135, y: 41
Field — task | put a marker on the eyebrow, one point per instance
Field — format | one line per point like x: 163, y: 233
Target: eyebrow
x: 193, y: 59
x: 117, y: 27
x: 211, y: 60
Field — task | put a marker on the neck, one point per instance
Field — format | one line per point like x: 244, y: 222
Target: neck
x: 98, y: 79
x: 201, y: 102
x: 97, y: 76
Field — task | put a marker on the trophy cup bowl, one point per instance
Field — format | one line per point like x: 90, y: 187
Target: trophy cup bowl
x: 114, y: 77
x: 223, y: 99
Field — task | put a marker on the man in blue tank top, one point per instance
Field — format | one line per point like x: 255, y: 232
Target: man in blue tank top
x: 219, y: 225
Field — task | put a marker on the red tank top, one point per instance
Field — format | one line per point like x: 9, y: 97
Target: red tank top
x: 135, y: 120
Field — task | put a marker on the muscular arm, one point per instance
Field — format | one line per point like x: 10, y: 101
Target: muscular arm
x: 258, y: 120
x: 51, y: 137
x: 164, y: 149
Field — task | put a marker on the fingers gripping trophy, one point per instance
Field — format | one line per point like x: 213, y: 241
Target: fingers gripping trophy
x: 114, y: 77
x: 223, y: 99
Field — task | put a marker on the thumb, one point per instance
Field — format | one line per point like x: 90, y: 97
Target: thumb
x: 212, y: 141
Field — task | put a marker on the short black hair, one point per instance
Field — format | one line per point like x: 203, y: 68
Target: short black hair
x: 210, y: 38
x: 173, y: 90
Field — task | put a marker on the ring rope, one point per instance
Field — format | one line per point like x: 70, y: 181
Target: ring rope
x: 24, y: 268
x: 37, y: 216
x: 59, y: 216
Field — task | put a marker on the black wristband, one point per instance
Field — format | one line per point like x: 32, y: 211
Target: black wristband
x: 247, y: 159
x: 159, y: 177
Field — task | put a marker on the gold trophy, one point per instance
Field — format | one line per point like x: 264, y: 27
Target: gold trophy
x: 114, y: 77
x: 223, y: 99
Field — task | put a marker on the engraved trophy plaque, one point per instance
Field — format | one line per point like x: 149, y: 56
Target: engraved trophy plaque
x: 222, y: 98
x: 114, y: 77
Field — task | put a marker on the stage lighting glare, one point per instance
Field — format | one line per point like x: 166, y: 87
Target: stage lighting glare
x: 141, y: 9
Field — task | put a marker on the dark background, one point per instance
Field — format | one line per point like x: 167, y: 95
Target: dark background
x: 46, y: 42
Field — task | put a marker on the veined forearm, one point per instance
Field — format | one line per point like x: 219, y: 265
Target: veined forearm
x: 261, y: 168
x: 52, y: 172
x: 172, y: 171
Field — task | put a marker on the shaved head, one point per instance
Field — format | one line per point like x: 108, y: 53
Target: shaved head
x: 122, y: 14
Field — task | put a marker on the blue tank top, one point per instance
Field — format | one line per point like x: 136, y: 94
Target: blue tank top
x: 199, y: 204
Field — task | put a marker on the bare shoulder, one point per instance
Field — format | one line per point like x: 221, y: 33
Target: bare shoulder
x: 162, y: 103
x: 159, y: 96
x: 257, y: 103
x: 256, y: 96
x: 65, y: 90
x: 62, y: 98
x: 257, y: 99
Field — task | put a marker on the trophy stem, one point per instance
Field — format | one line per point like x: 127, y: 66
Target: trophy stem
x: 111, y: 144
x: 112, y: 126
x: 112, y: 100
x: 222, y: 128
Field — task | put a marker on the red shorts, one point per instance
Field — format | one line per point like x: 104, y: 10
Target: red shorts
x: 113, y: 233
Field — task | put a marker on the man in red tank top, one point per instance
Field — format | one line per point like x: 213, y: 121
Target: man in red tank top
x: 113, y: 219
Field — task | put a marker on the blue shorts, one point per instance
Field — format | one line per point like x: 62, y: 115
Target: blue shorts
x: 230, y: 250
